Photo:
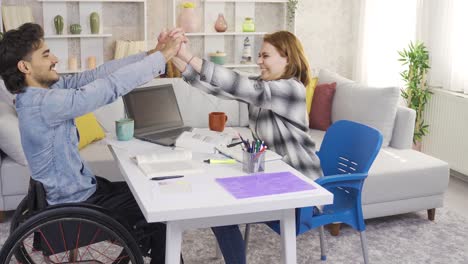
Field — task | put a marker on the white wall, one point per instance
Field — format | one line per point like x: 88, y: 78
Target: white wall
x: 328, y: 31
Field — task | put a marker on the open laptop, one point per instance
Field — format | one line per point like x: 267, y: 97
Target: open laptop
x: 156, y: 114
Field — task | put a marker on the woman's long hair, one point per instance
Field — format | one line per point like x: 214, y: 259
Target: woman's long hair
x: 290, y: 47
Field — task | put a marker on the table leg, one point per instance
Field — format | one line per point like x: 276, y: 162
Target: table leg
x: 173, y: 243
x: 288, y: 237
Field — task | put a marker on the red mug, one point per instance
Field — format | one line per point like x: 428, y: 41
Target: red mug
x: 217, y: 121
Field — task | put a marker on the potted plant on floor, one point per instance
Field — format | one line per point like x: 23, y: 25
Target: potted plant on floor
x: 415, y: 92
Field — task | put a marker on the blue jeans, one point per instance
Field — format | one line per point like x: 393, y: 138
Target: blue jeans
x: 231, y: 243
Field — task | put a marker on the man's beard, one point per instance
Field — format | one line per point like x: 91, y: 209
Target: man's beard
x: 47, y: 82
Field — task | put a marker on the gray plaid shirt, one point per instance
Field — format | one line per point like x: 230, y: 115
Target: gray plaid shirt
x: 277, y: 111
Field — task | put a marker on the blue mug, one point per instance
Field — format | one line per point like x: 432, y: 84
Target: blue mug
x: 124, y: 129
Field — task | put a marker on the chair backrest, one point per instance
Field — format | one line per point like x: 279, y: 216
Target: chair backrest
x: 349, y: 147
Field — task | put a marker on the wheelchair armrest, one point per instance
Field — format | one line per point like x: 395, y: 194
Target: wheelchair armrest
x: 354, y: 180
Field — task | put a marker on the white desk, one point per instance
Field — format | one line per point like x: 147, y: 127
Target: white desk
x: 208, y: 204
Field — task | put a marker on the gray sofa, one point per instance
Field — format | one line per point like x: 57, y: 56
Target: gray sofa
x: 401, y: 180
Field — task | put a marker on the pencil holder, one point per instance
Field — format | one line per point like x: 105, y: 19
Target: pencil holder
x: 253, y: 162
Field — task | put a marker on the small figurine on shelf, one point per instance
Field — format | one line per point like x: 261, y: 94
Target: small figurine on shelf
x: 91, y: 61
x: 75, y: 29
x: 58, y: 23
x: 94, y: 22
x: 248, y: 25
x: 218, y: 57
x: 247, y: 52
x: 72, y: 63
x: 220, y: 25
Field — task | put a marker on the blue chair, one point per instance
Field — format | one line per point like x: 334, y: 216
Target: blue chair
x: 346, y: 155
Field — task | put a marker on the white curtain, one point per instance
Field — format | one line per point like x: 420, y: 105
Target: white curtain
x: 444, y: 30
x: 385, y: 28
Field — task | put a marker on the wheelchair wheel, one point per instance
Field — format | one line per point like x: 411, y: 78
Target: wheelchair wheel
x: 70, y: 235
x: 20, y: 214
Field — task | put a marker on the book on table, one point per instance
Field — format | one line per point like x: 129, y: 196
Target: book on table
x: 203, y: 141
x: 167, y: 163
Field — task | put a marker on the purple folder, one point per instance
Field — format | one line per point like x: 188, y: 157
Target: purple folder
x: 262, y: 184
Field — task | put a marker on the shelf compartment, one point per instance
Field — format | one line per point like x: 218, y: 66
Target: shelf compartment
x: 94, y: 1
x: 226, y: 34
x: 248, y: 1
x: 77, y: 36
x: 240, y: 65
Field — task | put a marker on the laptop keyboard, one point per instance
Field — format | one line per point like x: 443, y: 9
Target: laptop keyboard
x: 168, y: 134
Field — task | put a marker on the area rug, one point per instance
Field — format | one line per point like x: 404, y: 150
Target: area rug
x: 407, y: 238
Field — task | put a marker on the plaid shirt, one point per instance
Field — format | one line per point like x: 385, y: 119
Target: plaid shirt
x: 277, y: 111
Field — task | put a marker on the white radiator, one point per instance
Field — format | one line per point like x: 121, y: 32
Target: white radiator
x: 447, y: 116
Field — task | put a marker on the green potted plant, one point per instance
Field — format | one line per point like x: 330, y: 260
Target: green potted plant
x: 416, y: 92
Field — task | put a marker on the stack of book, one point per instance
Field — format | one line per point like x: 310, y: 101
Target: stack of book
x: 15, y: 16
x: 124, y: 48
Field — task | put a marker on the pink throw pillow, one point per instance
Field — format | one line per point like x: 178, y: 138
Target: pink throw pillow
x: 320, y: 111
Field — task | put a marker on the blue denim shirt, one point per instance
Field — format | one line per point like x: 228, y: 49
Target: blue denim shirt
x: 46, y: 121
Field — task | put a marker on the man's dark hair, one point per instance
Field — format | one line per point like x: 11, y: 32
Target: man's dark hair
x: 15, y: 46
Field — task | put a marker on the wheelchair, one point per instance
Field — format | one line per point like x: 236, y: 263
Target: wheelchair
x: 71, y: 233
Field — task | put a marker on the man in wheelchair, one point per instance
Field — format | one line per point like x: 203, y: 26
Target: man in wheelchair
x: 47, y: 104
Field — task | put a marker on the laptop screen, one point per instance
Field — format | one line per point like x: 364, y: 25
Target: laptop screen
x: 153, y: 108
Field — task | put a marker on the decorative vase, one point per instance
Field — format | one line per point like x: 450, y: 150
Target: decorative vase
x: 248, y: 25
x: 188, y: 20
x: 94, y: 22
x: 58, y: 23
x: 75, y: 29
x: 220, y: 25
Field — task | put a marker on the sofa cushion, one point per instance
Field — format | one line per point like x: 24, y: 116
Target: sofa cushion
x: 399, y: 174
x: 15, y: 177
x: 317, y: 137
x: 326, y: 76
x: 5, y: 95
x: 89, y: 130
x: 190, y: 98
x: 320, y: 112
x: 108, y: 114
x: 310, y: 92
x: 375, y: 107
x: 10, y: 139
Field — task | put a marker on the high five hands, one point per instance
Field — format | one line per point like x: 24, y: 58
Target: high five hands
x: 169, y: 43
x: 182, y: 56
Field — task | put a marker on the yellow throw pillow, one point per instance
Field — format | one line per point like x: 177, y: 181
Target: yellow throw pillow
x: 89, y: 130
x: 310, y: 93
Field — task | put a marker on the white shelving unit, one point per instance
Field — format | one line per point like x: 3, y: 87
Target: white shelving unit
x: 1, y: 18
x: 216, y: 41
x: 90, y: 44
x: 77, y: 36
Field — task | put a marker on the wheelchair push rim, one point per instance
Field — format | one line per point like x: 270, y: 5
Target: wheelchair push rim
x: 70, y: 235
